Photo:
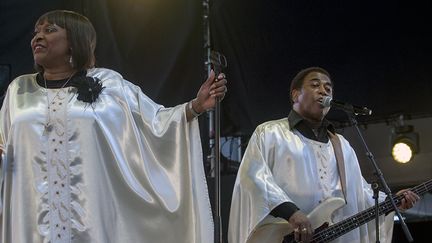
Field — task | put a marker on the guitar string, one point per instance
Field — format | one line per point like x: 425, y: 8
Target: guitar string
x: 364, y: 216
x: 385, y: 207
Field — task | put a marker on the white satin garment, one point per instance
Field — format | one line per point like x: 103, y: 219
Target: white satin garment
x: 281, y: 165
x: 123, y: 169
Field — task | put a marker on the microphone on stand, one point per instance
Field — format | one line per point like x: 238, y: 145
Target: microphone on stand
x: 328, y: 101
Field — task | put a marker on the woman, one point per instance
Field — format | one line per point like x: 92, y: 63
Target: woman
x: 89, y: 158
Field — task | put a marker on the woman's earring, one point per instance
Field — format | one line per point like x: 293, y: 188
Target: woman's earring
x: 71, y: 61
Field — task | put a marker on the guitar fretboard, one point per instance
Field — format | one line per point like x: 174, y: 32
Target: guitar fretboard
x: 344, y: 226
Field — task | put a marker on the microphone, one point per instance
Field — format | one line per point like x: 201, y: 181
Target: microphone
x: 328, y: 101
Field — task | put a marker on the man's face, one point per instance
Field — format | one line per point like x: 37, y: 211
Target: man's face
x: 307, y: 100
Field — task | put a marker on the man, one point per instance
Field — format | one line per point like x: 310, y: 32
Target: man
x: 292, y: 166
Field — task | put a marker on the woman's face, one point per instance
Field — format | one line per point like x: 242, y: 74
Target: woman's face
x: 50, y: 46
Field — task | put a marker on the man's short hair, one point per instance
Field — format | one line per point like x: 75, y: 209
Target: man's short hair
x: 297, y: 81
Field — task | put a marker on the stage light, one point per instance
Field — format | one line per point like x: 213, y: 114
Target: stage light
x: 404, y: 143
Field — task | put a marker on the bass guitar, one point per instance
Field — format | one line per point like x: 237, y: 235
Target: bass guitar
x: 276, y: 230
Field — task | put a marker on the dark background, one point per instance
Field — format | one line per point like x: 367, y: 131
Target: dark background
x: 378, y: 54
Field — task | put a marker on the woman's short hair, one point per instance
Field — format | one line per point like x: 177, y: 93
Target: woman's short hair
x: 80, y: 34
x: 297, y: 81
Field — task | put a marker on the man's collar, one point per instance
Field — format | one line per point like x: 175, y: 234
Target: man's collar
x: 294, y: 119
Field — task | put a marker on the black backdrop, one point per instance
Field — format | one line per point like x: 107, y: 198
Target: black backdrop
x: 156, y: 44
x: 378, y: 53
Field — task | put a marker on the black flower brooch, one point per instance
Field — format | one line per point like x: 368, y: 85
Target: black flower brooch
x: 89, y: 88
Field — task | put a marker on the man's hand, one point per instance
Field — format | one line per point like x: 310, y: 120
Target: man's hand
x: 410, y: 198
x: 302, y: 227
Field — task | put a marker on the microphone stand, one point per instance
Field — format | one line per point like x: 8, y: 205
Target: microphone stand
x: 382, y: 181
x: 375, y: 188
x: 216, y: 61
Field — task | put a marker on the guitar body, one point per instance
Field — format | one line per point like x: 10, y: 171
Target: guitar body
x: 273, y: 230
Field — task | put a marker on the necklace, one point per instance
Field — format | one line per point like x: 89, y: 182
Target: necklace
x: 48, y: 126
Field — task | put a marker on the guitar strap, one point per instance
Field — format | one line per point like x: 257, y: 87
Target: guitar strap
x: 337, y: 147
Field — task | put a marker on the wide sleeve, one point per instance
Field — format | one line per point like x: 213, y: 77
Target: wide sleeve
x: 163, y: 163
x: 156, y: 156
x: 255, y: 193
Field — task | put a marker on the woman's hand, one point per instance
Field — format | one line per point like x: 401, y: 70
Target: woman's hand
x: 211, y: 89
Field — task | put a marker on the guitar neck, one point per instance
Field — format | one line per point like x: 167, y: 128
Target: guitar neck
x: 345, y: 226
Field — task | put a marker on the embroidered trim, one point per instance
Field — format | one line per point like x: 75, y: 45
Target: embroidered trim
x: 59, y: 213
